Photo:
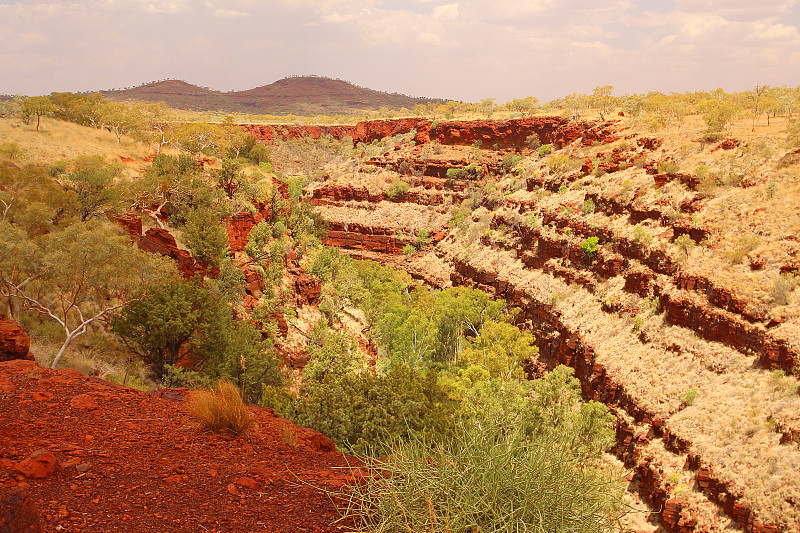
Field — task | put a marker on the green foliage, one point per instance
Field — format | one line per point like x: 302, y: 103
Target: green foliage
x: 423, y: 238
x: 690, y: 396
x: 92, y: 185
x: 11, y: 150
x: 409, y: 249
x: 557, y: 163
x: 543, y: 150
x: 589, y: 246
x: 509, y: 162
x: 185, y: 319
x: 334, y: 353
x: 76, y: 275
x: 397, y: 189
x: 532, y: 471
x: 641, y: 235
x: 500, y: 348
x: 668, y: 167
x: 31, y: 201
x: 229, y: 176
x: 771, y: 188
x: 205, y: 236
x: 359, y: 410
x: 588, y: 206
x: 455, y: 173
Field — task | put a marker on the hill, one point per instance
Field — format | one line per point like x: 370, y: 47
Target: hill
x: 306, y: 95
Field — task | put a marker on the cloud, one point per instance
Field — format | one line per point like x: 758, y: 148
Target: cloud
x: 462, y: 49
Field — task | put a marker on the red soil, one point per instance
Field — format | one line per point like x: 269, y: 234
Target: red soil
x: 129, y: 461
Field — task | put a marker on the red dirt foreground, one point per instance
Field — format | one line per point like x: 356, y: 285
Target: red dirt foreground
x: 99, y: 457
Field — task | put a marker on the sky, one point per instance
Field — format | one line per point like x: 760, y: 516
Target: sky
x: 464, y: 50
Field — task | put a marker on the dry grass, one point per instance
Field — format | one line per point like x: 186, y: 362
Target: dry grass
x: 222, y: 410
x: 58, y: 139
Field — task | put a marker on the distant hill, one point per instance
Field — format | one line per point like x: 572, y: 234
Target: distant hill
x: 306, y: 95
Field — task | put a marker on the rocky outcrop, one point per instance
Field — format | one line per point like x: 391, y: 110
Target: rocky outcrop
x: 514, y: 133
x: 160, y: 241
x: 131, y: 223
x: 307, y: 287
x: 14, y: 343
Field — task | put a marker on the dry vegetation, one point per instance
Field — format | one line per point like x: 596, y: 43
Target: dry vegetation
x: 711, y: 392
x: 222, y: 409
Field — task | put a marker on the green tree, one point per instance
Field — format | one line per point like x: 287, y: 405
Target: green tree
x: 75, y: 276
x: 603, y: 100
x: 92, y: 182
x: 36, y: 106
x: 206, y: 236
x: 120, y: 118
x: 501, y: 348
x: 229, y: 176
x: 79, y: 108
x: 198, y: 138
x: 186, y: 318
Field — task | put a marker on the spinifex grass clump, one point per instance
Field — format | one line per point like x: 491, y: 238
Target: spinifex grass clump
x: 222, y: 409
x: 484, y: 480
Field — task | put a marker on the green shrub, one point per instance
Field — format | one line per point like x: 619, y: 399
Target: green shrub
x: 397, y: 189
x: 409, y: 249
x: 668, y: 167
x: 509, y: 162
x: 531, y: 467
x: 423, y: 238
x: 557, y: 163
x: 359, y: 410
x: 544, y: 150
x: 685, y: 243
x: 772, y: 187
x: 690, y: 396
x: 11, y: 150
x: 640, y: 235
x: 456, y: 173
x: 588, y: 206
x: 589, y: 246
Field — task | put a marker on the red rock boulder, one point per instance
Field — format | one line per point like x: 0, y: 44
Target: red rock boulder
x: 14, y: 343
x: 18, y: 513
x: 308, y: 288
x: 40, y: 464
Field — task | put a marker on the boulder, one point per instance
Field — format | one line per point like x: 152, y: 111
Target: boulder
x: 40, y: 464
x: 18, y: 513
x: 14, y: 343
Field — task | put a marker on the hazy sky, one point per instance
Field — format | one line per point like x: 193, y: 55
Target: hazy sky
x: 464, y: 50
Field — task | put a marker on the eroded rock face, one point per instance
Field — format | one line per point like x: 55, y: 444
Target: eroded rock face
x: 308, y: 288
x: 514, y: 133
x: 161, y: 241
x: 131, y: 223
x: 14, y: 343
x: 18, y: 513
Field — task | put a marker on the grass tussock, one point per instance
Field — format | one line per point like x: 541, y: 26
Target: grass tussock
x: 222, y: 409
x: 483, y: 480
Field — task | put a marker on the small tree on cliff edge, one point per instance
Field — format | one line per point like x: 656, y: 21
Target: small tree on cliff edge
x: 75, y: 276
